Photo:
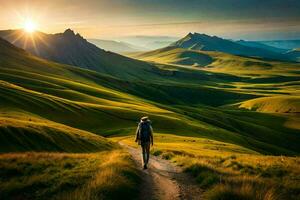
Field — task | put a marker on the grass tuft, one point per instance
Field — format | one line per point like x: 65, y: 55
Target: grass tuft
x: 245, y: 191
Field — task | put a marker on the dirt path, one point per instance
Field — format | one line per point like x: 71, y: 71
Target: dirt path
x: 164, y: 181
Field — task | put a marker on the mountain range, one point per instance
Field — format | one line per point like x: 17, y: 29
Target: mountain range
x: 72, y: 49
x: 261, y: 46
x: 282, y: 44
x: 196, y: 41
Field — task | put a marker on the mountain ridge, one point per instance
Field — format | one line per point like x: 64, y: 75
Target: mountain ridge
x: 197, y: 41
x: 72, y: 49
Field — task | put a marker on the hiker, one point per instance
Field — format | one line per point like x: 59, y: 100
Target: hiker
x: 144, y: 136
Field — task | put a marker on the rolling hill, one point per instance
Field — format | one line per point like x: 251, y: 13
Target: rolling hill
x: 276, y: 82
x: 57, y: 95
x: 281, y: 104
x: 220, y: 62
x: 178, y: 56
x: 26, y: 131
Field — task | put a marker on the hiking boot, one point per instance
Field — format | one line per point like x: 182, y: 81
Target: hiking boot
x: 145, y: 167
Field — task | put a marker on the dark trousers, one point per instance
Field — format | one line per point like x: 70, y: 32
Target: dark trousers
x: 145, y: 152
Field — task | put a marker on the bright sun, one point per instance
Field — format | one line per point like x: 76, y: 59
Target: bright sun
x: 29, y: 26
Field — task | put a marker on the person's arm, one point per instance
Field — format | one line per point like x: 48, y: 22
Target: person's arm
x: 151, y: 135
x: 137, y: 133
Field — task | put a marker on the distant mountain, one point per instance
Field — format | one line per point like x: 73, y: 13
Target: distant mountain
x: 261, y: 46
x: 149, y: 42
x: 73, y: 49
x: 283, y: 44
x: 116, y: 46
x: 196, y: 41
x: 294, y: 54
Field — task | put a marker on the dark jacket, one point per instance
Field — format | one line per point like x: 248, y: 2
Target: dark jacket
x: 144, y: 132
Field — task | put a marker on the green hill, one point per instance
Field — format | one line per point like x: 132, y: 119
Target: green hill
x: 171, y: 55
x: 218, y: 62
x: 179, y: 102
x: 281, y: 104
x: 21, y: 131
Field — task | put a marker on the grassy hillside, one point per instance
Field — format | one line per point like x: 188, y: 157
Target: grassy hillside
x: 51, y: 109
x: 281, y: 104
x: 48, y: 107
x: 260, y: 78
x: 178, y: 102
x: 104, y: 175
x: 21, y: 131
x: 171, y: 55
x: 219, y: 62
x: 225, y: 171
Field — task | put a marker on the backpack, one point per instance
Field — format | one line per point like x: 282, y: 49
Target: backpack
x: 145, y: 131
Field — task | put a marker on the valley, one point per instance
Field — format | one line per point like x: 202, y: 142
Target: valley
x: 209, y: 110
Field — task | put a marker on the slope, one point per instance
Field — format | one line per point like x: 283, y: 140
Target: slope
x: 108, y: 106
x: 281, y: 104
x: 21, y: 131
x: 73, y: 49
x: 218, y: 62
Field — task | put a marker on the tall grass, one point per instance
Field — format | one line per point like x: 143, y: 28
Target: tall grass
x: 244, y: 191
x: 232, y: 178
x: 104, y: 175
x: 115, y: 179
x: 229, y: 172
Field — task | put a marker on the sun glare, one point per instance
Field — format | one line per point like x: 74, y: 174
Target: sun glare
x: 29, y: 26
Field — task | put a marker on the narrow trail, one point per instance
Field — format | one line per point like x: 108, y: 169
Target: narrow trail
x: 164, y: 181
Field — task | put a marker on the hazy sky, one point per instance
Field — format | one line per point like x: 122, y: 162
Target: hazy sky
x: 246, y: 19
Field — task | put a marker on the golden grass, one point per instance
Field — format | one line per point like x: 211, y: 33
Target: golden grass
x: 68, y: 176
x: 227, y: 171
x: 115, y: 178
x: 220, y: 62
x: 280, y: 104
x: 245, y: 191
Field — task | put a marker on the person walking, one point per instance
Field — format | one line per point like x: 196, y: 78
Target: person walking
x: 144, y: 137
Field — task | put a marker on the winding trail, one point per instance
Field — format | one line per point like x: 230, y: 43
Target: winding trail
x: 164, y: 181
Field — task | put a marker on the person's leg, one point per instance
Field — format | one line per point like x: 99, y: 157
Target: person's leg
x: 147, y: 149
x: 144, y: 154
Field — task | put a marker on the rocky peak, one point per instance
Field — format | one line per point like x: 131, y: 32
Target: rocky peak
x: 69, y: 32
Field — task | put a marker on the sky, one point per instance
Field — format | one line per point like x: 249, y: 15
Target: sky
x: 111, y: 19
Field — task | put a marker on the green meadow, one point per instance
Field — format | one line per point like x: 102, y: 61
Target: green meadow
x: 225, y: 119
